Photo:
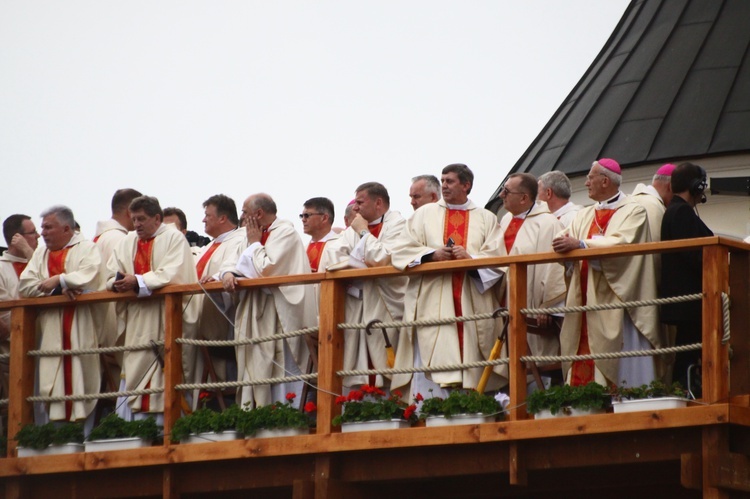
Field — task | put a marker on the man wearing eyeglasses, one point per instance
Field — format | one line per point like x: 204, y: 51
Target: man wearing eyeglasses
x: 613, y: 220
x: 454, y: 228
x: 70, y: 265
x: 22, y: 239
x: 529, y: 228
x: 317, y: 220
x: 273, y: 248
x: 369, y: 242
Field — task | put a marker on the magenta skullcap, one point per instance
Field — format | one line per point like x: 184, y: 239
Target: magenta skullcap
x: 666, y: 170
x: 609, y: 164
x: 352, y: 202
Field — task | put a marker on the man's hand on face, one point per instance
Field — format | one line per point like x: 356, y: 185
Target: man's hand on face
x: 253, y: 229
x: 359, y: 223
x: 21, y: 246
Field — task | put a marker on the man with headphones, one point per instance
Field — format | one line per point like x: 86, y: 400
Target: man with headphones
x: 682, y: 272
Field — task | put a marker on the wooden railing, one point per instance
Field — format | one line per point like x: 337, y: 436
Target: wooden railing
x: 720, y: 384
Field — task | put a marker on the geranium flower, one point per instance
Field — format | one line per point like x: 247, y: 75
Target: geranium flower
x: 290, y: 396
x: 341, y: 399
x: 409, y: 411
x: 355, y: 395
x: 419, y: 397
x: 397, y: 393
x: 368, y: 389
x: 310, y: 407
x: 378, y: 391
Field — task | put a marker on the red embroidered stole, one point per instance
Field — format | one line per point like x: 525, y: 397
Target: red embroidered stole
x: 141, y: 265
x: 56, y: 266
x: 18, y: 267
x: 457, y: 228
x: 264, y: 237
x: 314, y: 252
x: 201, y: 265
x: 511, y: 232
x: 375, y: 229
x: 582, y: 371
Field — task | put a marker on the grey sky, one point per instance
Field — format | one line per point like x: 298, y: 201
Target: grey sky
x: 183, y: 100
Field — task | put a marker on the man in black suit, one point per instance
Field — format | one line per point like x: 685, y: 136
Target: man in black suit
x: 682, y: 272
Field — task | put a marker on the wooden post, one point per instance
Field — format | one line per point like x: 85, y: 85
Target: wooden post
x: 715, y: 355
x: 739, y: 284
x: 172, y: 361
x: 330, y: 352
x: 21, y: 382
x: 517, y: 341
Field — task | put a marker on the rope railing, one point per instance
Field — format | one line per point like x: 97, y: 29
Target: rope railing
x: 426, y: 322
x: 725, y: 303
x: 93, y: 351
x: 613, y: 306
x: 95, y: 396
x: 423, y: 369
x: 247, y: 341
x: 4, y: 356
x: 4, y: 402
x: 239, y: 384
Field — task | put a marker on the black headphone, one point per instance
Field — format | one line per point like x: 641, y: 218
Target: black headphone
x: 699, y: 185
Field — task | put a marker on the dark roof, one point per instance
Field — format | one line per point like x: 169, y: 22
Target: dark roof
x: 672, y: 82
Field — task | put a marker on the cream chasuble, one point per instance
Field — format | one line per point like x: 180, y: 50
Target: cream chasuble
x: 82, y: 271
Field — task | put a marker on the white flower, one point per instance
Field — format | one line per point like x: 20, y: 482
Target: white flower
x: 503, y: 399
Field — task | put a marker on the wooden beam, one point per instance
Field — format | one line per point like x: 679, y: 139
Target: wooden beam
x: 518, y: 474
x: 330, y: 352
x: 734, y: 472
x: 691, y: 471
x: 22, y: 372
x: 517, y: 341
x: 172, y: 362
x: 739, y: 284
x: 715, y: 448
x: 715, y: 355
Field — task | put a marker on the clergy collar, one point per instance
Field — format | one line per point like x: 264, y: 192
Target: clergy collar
x: 464, y: 206
x: 325, y: 238
x: 609, y: 203
x: 223, y: 237
x: 378, y: 220
x: 525, y: 214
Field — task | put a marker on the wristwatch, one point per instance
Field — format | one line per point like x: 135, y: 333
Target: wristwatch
x: 363, y: 233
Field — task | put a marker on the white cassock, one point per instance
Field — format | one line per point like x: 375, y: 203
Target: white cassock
x: 107, y: 236
x: 142, y: 321
x: 649, y: 198
x: 268, y: 311
x: 82, y: 271
x: 212, y: 323
x: 431, y: 297
x: 370, y: 299
x: 546, y: 282
x: 614, y: 280
x: 567, y: 212
x: 8, y: 291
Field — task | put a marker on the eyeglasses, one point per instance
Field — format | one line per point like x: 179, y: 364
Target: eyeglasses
x: 506, y: 191
x: 305, y: 216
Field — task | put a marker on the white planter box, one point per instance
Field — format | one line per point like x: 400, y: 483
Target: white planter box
x: 51, y: 450
x: 211, y: 436
x: 392, y: 424
x: 280, y: 432
x: 116, y: 444
x: 654, y: 404
x: 566, y: 412
x: 458, y: 419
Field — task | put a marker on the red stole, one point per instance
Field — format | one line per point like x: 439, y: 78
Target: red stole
x: 457, y: 228
x: 97, y: 238
x: 141, y: 265
x: 264, y: 237
x: 511, y: 232
x: 18, y: 267
x: 582, y: 371
x: 314, y: 252
x: 375, y: 229
x: 201, y: 265
x: 56, y: 266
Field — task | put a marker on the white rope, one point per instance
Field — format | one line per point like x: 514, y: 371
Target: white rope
x: 239, y: 384
x: 4, y: 356
x: 613, y: 306
x: 424, y: 322
x: 4, y: 402
x: 92, y: 351
x: 725, y: 315
x: 423, y: 369
x: 613, y: 355
x: 247, y: 341
x: 96, y: 396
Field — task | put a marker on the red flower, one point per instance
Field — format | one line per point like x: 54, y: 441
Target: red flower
x: 419, y: 397
x: 409, y: 411
x: 380, y: 392
x: 368, y: 389
x: 340, y: 399
x: 310, y: 407
x: 355, y: 395
x: 290, y: 396
x: 397, y: 393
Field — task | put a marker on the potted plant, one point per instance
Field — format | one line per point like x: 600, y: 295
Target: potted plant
x: 206, y: 425
x: 371, y: 409
x: 459, y: 407
x: 654, y: 396
x: 280, y: 419
x: 566, y: 400
x: 49, y: 439
x: 114, y: 433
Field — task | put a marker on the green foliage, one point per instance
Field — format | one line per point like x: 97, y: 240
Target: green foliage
x: 279, y: 415
x: 655, y: 389
x: 371, y: 404
x: 206, y: 420
x: 113, y: 426
x: 591, y: 396
x: 460, y: 402
x: 42, y: 436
